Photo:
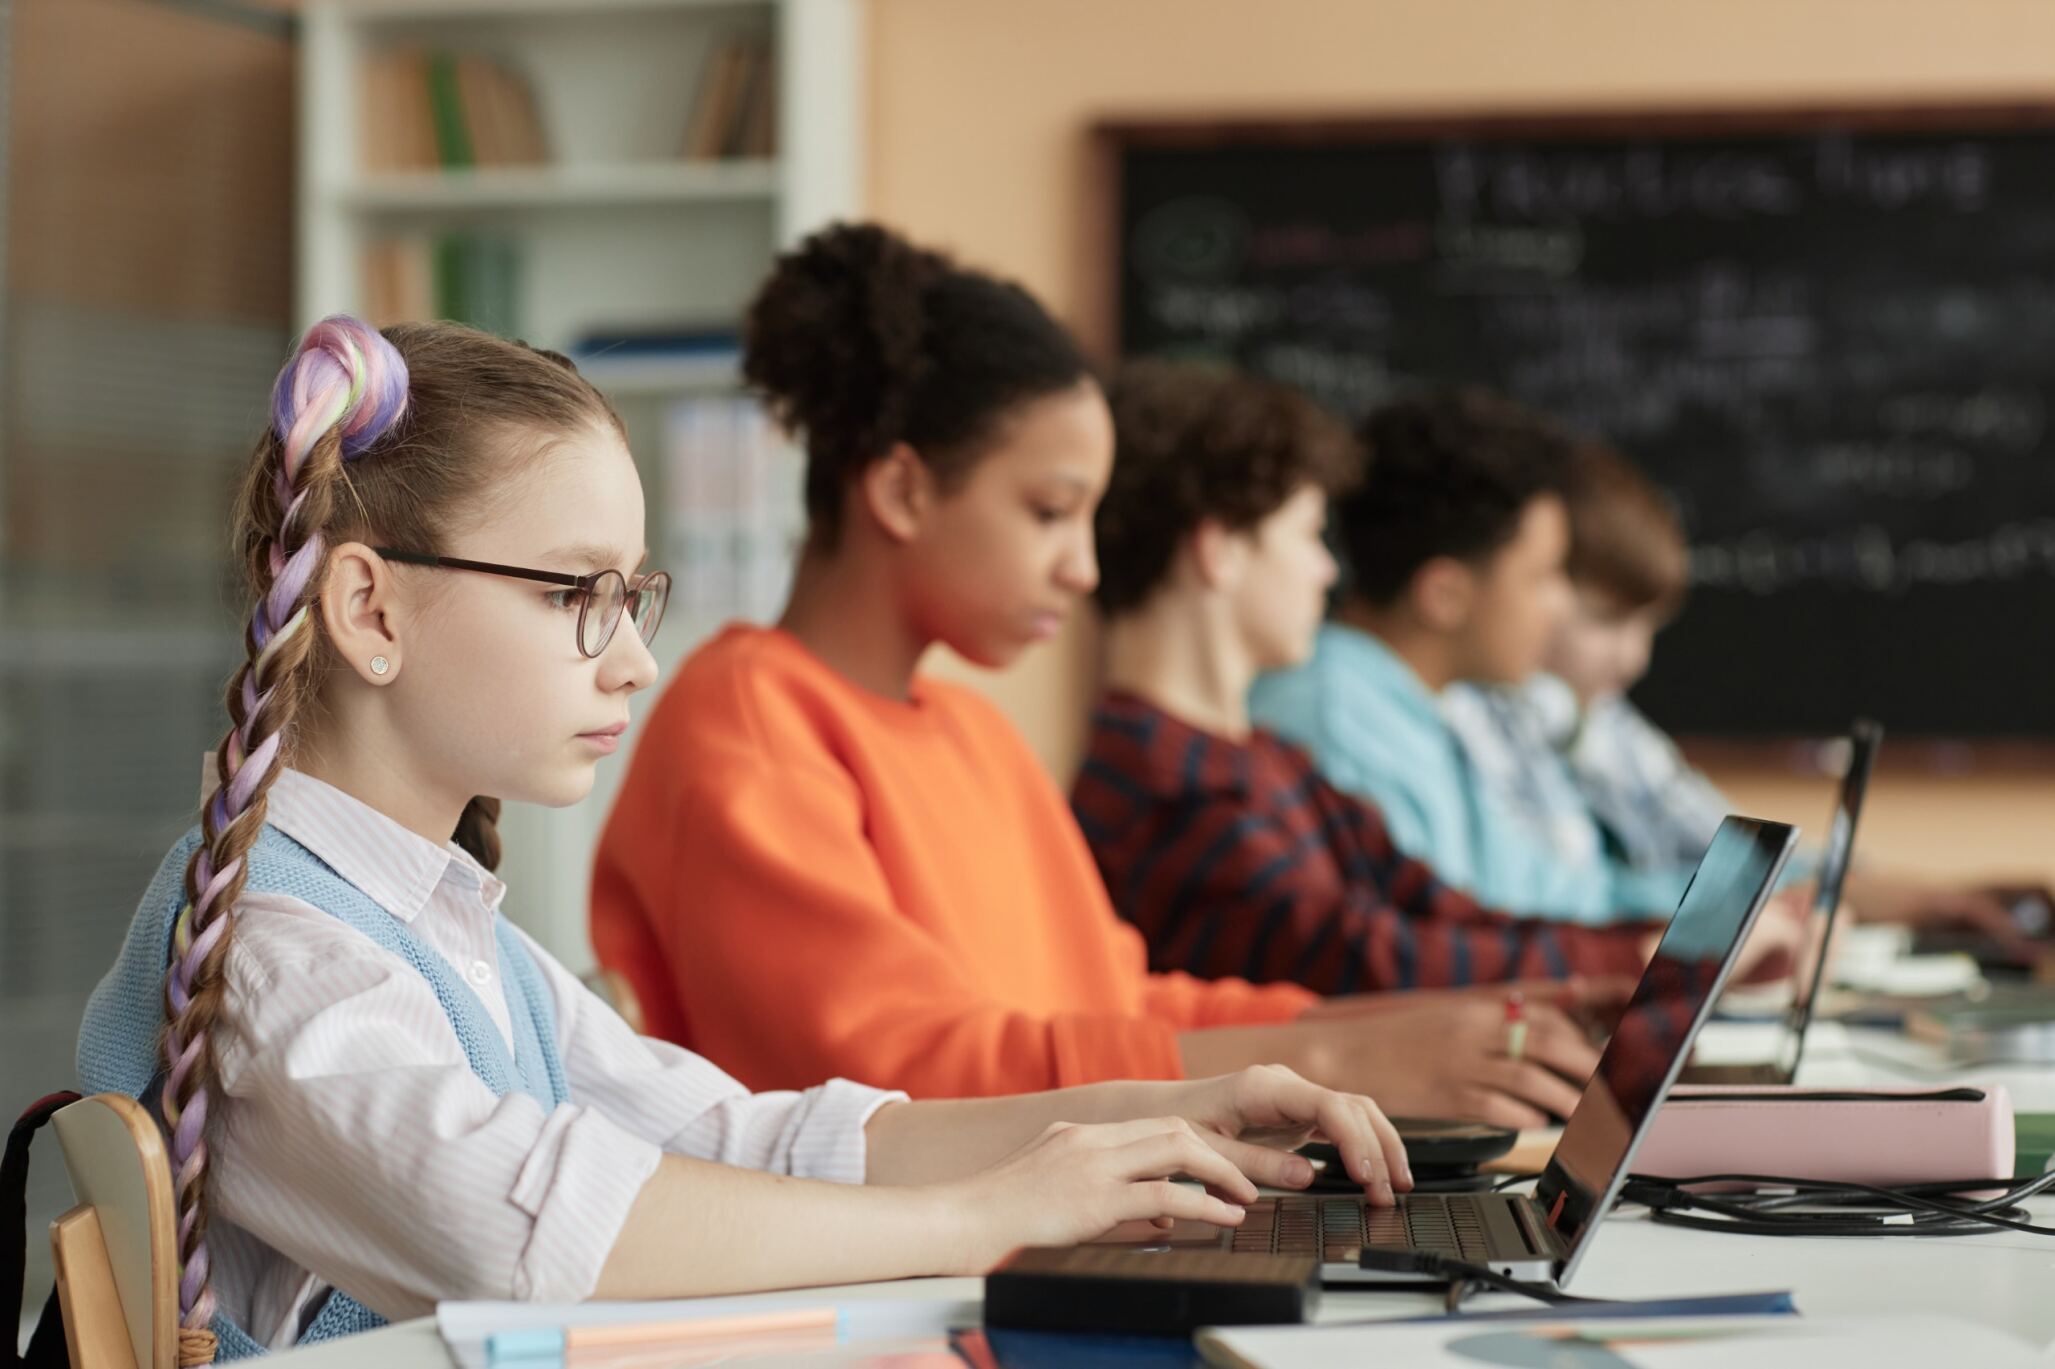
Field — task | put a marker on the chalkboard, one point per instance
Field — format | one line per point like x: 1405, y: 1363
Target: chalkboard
x: 1830, y: 336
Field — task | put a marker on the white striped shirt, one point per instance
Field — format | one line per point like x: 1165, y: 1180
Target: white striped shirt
x: 358, y: 1150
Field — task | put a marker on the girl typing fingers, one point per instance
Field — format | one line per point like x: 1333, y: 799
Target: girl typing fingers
x: 1075, y: 1183
x: 1257, y: 1115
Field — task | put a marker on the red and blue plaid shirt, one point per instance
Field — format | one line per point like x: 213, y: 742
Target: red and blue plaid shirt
x: 1237, y: 858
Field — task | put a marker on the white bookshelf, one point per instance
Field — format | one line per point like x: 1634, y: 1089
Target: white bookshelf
x: 617, y: 185
x: 614, y: 232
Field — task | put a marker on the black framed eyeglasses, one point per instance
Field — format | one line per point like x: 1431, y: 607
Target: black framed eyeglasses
x: 603, y: 594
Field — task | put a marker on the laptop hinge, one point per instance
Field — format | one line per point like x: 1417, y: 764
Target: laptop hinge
x: 1541, y: 1238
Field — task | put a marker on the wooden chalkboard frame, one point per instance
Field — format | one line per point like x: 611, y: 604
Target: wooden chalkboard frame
x: 1098, y: 317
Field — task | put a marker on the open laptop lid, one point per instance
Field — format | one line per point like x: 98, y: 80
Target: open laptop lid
x: 1670, y: 1004
x: 1865, y: 738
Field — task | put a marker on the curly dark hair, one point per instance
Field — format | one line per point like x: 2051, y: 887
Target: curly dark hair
x: 1451, y: 472
x: 1194, y: 442
x: 860, y: 340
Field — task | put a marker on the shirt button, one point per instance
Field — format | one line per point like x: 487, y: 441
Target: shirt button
x: 481, y: 974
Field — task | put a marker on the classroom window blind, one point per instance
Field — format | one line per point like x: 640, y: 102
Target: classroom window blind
x: 146, y: 214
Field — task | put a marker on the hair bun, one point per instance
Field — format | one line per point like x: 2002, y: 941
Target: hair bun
x: 343, y: 375
x: 835, y: 339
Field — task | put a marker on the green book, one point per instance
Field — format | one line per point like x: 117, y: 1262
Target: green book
x: 491, y: 291
x: 2033, y: 1141
x: 476, y: 280
x: 453, y: 277
x: 452, y: 135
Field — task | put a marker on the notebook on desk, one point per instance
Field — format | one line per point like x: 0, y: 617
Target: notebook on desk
x: 1543, y: 1237
x: 1562, y: 1338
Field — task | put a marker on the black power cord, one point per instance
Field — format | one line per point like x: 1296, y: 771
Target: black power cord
x: 1778, y: 1206
x: 1782, y: 1206
x: 1462, y: 1275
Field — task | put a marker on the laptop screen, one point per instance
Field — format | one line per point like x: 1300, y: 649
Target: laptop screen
x: 1864, y: 737
x: 1656, y: 1030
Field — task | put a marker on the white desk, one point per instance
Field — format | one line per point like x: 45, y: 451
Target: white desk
x: 2001, y: 1280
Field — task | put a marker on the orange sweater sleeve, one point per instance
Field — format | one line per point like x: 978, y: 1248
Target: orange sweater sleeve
x: 1188, y: 1002
x: 795, y: 965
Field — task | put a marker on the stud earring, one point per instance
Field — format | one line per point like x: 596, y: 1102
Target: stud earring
x: 379, y: 665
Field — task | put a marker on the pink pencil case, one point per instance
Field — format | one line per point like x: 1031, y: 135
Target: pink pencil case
x: 1881, y: 1136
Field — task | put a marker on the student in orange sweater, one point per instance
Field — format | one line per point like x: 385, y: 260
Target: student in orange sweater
x: 822, y: 862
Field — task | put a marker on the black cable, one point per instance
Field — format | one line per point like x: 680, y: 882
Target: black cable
x: 1917, y: 1210
x: 1913, y: 1210
x: 1502, y: 1184
x: 1461, y: 1273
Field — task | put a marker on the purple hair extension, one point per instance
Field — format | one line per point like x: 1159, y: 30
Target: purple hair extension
x: 343, y: 377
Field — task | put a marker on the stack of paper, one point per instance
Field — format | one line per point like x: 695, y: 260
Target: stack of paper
x: 1622, y: 1343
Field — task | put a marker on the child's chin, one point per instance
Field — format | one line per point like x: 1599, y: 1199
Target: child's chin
x: 564, y: 789
x: 1290, y: 654
x: 992, y: 653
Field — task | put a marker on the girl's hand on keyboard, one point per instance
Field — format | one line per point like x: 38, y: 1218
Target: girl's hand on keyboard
x: 1075, y: 1183
x: 1448, y: 1057
x: 1257, y: 1116
x: 1593, y: 1000
x: 1435, y: 1055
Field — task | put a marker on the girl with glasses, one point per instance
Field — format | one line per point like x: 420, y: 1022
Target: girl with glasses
x: 377, y: 1093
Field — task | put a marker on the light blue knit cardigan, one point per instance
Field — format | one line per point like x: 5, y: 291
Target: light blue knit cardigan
x: 120, y: 1041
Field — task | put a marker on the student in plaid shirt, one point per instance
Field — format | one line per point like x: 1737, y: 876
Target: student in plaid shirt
x: 1221, y: 845
x: 1220, y: 842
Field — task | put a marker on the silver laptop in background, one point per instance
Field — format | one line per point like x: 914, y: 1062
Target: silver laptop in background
x: 1865, y: 739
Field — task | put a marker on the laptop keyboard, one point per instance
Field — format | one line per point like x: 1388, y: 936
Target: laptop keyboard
x: 1336, y: 1229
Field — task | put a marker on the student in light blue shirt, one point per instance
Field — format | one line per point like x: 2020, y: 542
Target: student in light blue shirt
x: 1455, y: 547
x: 1572, y: 734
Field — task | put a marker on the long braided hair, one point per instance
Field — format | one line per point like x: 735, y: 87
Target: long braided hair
x: 392, y: 436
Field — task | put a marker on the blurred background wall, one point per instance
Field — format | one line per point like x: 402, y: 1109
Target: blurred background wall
x: 978, y: 139
x: 185, y: 184
x: 148, y: 288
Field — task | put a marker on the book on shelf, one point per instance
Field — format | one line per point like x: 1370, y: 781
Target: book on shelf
x: 469, y: 278
x: 452, y: 127
x: 733, y: 512
x: 734, y: 113
x: 677, y: 359
x: 758, y: 134
x: 661, y: 340
x: 433, y: 110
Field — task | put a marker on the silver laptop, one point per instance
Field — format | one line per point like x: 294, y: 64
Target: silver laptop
x: 1864, y: 740
x: 1543, y: 1237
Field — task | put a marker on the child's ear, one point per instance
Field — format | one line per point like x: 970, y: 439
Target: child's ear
x: 1444, y: 592
x: 360, y: 612
x: 897, y: 490
x: 1219, y: 555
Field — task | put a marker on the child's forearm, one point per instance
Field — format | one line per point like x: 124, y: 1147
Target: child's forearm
x: 927, y: 1142
x: 700, y: 1228
x: 1055, y: 1186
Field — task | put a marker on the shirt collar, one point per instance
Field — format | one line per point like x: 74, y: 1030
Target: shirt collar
x: 397, y: 869
x: 1363, y: 658
x: 1554, y: 707
x: 1167, y: 756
